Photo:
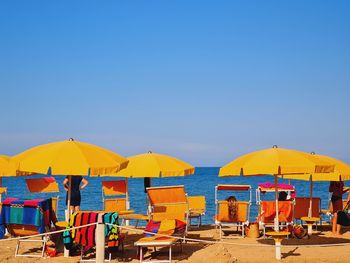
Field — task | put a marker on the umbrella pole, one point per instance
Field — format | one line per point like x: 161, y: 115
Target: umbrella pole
x: 0, y: 186
x: 127, y: 203
x: 69, y: 196
x: 276, y: 197
x: 68, y: 213
x: 310, y: 206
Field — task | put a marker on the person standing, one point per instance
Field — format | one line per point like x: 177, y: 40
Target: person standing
x: 337, y: 190
x: 75, y: 198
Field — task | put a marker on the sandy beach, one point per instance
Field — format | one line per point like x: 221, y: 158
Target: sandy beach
x: 230, y: 250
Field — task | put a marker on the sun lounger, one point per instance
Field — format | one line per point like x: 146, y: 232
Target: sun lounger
x: 197, y: 207
x: 241, y: 218
x: 23, y: 218
x: 115, y: 198
x: 267, y: 208
x: 169, y: 214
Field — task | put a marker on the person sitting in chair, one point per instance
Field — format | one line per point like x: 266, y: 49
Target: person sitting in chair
x: 232, y: 207
x: 282, y: 196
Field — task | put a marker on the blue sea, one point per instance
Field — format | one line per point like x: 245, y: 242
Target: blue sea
x: 203, y: 182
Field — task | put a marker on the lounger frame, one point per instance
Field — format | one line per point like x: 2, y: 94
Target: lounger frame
x: 232, y: 188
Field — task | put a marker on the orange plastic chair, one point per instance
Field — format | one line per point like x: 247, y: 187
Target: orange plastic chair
x: 197, y: 207
x: 166, y: 203
x: 118, y: 200
x: 267, y: 208
x: 222, y: 218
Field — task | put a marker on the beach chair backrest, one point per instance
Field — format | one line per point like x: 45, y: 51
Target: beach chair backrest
x: 3, y: 190
x: 42, y: 185
x: 113, y: 188
x: 267, y: 211
x: 166, y: 195
x: 223, y: 212
x: 168, y: 202
x: 243, y: 206
x: 302, y: 205
x: 45, y: 185
x: 197, y: 204
x: 119, y: 190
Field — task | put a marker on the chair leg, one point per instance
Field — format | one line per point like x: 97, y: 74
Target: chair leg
x: 141, y: 254
x: 170, y: 254
x: 17, y: 248
x: 44, y: 246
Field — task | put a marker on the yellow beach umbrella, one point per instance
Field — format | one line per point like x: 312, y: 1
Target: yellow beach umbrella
x: 69, y: 158
x: 5, y: 166
x: 275, y: 161
x: 155, y: 165
x: 341, y: 173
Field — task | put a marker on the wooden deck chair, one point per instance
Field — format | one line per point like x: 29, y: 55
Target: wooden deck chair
x: 168, y: 204
x: 241, y: 218
x: 197, y: 207
x: 45, y: 185
x: 267, y: 208
x: 115, y: 198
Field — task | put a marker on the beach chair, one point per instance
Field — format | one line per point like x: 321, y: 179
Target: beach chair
x: 45, y: 185
x: 222, y: 215
x: 197, y: 208
x: 169, y: 216
x: 3, y: 190
x: 23, y: 218
x: 302, y: 205
x: 267, y: 208
x: 115, y: 198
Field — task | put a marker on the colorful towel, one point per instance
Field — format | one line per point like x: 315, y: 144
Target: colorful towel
x: 268, y: 211
x: 86, y: 236
x: 36, y: 213
x: 169, y: 227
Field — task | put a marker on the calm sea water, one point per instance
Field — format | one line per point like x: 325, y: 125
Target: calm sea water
x: 203, y: 182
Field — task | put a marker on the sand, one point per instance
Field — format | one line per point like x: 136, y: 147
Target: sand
x: 232, y: 250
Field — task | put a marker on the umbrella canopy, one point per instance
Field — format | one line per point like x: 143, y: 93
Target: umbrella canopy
x: 275, y: 161
x: 69, y: 158
x: 5, y: 166
x: 341, y: 173
x: 155, y: 165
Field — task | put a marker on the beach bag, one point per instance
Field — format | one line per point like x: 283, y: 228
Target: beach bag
x: 252, y: 231
x: 299, y: 232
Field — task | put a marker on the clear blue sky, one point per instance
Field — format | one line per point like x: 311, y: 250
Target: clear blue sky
x: 205, y: 81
